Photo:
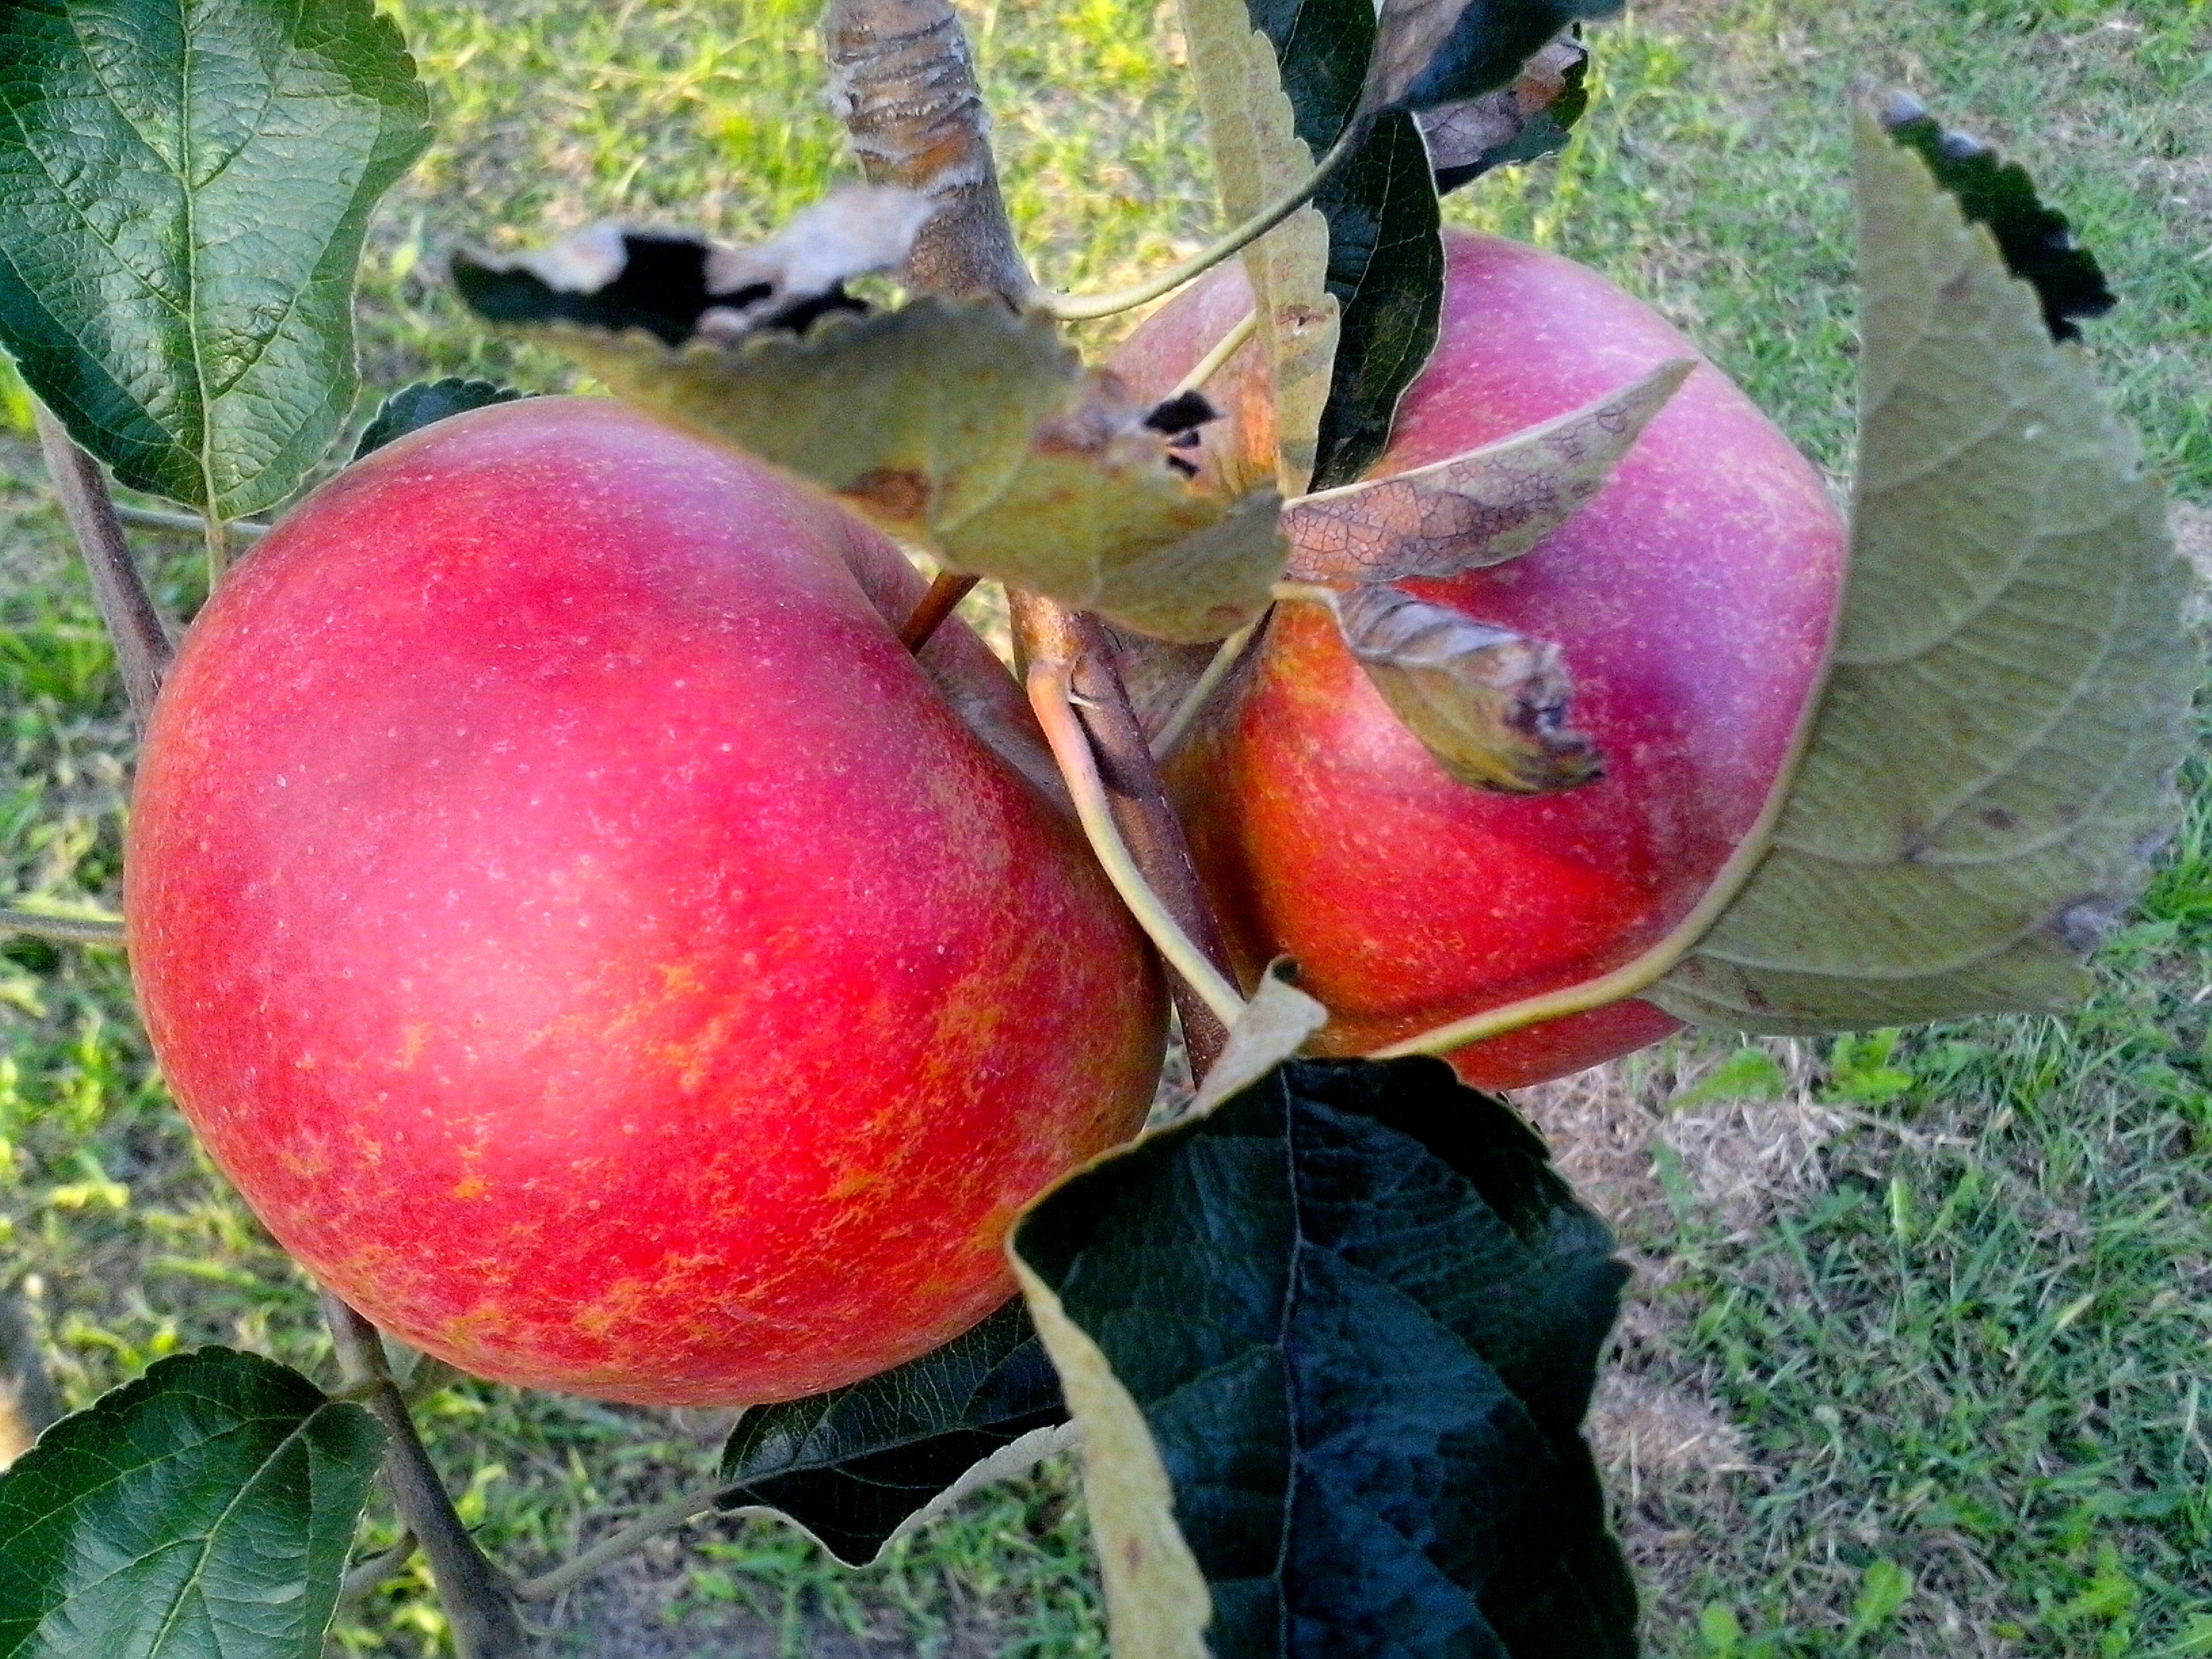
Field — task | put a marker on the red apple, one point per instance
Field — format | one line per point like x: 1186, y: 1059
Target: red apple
x: 1693, y: 599
x: 594, y: 946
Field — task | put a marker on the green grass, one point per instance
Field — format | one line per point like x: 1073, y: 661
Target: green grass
x: 1965, y: 1349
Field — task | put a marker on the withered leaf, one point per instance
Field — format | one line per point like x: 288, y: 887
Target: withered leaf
x: 1480, y: 508
x: 676, y: 285
x: 979, y: 433
x: 1431, y: 52
x: 1488, y: 703
x: 1530, y: 118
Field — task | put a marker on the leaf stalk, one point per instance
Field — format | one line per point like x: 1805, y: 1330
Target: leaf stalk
x: 660, y: 1518
x: 1049, y: 695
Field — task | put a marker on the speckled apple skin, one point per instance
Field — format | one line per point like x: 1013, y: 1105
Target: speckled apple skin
x: 1694, y: 598
x: 594, y: 946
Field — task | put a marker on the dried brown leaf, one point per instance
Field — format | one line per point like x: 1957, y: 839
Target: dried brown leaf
x: 1480, y: 508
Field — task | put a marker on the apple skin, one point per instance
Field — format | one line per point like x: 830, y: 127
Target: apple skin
x: 594, y: 946
x: 1695, y: 599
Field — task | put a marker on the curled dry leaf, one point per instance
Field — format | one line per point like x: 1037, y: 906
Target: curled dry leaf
x: 1276, y: 1025
x: 677, y: 285
x: 1432, y: 52
x: 1480, y: 508
x: 1489, y: 704
x: 953, y: 424
x: 1519, y: 123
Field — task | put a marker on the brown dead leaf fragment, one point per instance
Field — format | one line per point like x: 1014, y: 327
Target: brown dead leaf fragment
x: 1460, y: 136
x: 1480, y: 508
x: 1488, y: 703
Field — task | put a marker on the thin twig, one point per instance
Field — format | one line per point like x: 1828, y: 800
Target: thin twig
x: 365, y: 1576
x: 661, y: 1517
x: 941, y: 601
x: 63, y: 930
x: 1049, y: 695
x: 142, y: 644
x: 479, y: 1602
x: 1169, y: 737
x: 185, y: 524
x: 1083, y: 307
x: 1211, y: 364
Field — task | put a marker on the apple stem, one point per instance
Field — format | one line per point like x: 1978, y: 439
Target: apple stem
x: 1084, y: 308
x: 660, y: 1518
x: 1169, y: 737
x: 142, y: 642
x: 479, y: 1602
x: 1211, y: 364
x: 1055, y: 711
x: 62, y: 930
x: 941, y: 601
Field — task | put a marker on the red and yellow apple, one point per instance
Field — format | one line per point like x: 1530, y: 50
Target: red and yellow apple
x: 594, y: 946
x: 1693, y: 599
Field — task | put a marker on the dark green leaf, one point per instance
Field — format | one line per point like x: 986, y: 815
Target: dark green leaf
x: 183, y: 194
x: 1385, y: 258
x: 1440, y: 52
x: 855, y: 1465
x: 414, y: 407
x: 1516, y: 124
x: 1361, y: 1317
x: 201, y: 1512
x: 2037, y: 242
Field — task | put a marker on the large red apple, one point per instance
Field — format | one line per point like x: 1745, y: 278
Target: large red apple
x: 594, y: 946
x: 1693, y: 599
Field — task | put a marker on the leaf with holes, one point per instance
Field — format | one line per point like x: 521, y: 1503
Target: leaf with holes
x: 957, y: 424
x: 861, y: 1465
x: 1331, y: 1344
x: 201, y: 1512
x: 1993, y: 761
x: 183, y: 196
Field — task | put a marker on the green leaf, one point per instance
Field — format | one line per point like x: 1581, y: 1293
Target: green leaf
x: 1261, y: 150
x: 860, y: 1465
x: 957, y: 424
x: 183, y: 195
x: 1331, y: 1344
x: 1992, y: 762
x: 2037, y: 242
x: 1432, y: 52
x: 1385, y: 267
x: 414, y: 407
x: 201, y: 1512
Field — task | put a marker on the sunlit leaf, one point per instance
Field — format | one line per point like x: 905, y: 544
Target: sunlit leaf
x: 1252, y: 119
x: 414, y: 407
x: 1480, y: 508
x: 964, y: 427
x: 1993, y: 762
x: 183, y: 194
x: 860, y: 1465
x: 204, y: 1511
x: 1330, y: 1344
